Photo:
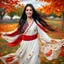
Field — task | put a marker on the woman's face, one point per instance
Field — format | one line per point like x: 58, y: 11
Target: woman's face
x: 29, y: 11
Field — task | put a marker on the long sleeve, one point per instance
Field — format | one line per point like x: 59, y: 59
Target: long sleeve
x: 50, y: 50
x: 44, y: 36
x: 12, y: 37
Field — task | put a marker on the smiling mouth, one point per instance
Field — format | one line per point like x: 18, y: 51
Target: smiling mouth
x: 29, y: 13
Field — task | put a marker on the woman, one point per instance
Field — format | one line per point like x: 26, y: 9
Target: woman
x: 29, y: 26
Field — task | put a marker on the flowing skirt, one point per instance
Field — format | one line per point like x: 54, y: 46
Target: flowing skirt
x: 28, y: 53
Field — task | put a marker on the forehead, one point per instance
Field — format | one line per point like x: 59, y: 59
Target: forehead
x: 28, y: 7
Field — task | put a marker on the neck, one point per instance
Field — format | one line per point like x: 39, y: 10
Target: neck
x: 29, y: 18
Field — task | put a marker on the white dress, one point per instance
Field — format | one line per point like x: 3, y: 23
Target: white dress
x: 29, y: 50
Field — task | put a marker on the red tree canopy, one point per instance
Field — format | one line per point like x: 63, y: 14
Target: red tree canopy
x: 56, y: 6
x: 8, y: 5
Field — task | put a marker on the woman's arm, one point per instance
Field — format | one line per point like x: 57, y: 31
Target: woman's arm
x: 12, y: 37
x: 44, y: 36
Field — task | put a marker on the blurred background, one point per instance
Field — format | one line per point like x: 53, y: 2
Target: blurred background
x: 52, y: 11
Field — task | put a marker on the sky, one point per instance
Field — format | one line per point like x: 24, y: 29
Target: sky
x: 35, y: 4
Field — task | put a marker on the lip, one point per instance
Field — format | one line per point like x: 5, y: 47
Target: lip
x: 29, y: 14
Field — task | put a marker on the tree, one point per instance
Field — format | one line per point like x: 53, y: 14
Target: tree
x: 54, y: 15
x: 20, y: 9
x: 56, y: 6
x: 11, y: 14
x: 7, y: 6
x: 39, y: 10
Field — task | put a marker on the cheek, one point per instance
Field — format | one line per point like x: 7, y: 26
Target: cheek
x: 32, y: 12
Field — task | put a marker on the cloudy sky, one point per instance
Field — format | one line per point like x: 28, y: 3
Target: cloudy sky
x: 35, y: 4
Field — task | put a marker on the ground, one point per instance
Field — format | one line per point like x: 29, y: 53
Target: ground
x: 4, y: 49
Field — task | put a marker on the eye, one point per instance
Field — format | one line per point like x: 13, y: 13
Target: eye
x: 30, y: 9
x: 26, y: 9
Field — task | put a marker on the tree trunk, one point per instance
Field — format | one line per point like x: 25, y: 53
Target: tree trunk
x: 62, y: 21
x: 11, y: 18
x: 2, y: 13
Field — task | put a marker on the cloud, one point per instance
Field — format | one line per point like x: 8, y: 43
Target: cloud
x: 29, y: 0
x: 35, y: 4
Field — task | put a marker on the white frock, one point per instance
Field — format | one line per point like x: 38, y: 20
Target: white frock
x: 28, y: 51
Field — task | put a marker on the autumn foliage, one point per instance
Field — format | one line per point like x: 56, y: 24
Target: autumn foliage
x: 56, y: 6
x: 8, y: 5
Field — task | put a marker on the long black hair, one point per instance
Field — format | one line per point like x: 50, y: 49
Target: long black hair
x: 35, y: 16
